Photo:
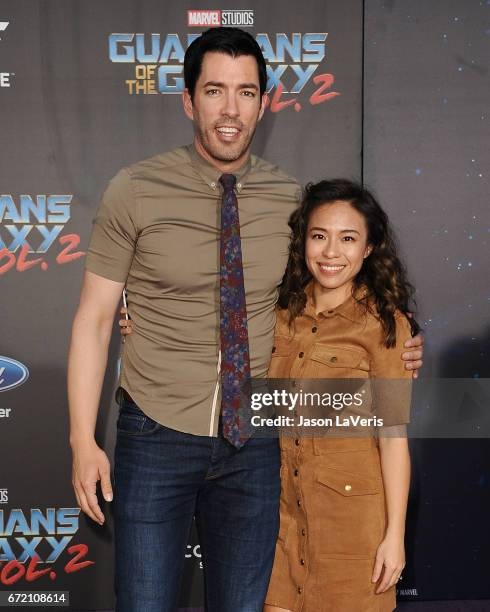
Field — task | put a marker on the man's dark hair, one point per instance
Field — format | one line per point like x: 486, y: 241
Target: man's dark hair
x: 232, y: 41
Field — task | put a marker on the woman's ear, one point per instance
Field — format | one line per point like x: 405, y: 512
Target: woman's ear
x: 368, y: 251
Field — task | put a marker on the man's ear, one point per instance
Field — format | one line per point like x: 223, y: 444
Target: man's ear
x: 187, y: 104
x: 262, y: 107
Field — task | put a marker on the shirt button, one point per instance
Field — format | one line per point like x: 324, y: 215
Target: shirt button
x: 239, y: 185
x: 213, y: 185
x: 301, y: 355
x: 302, y: 561
x: 273, y: 349
x: 348, y: 487
x: 299, y: 503
x: 333, y: 359
x: 293, y: 383
x: 296, y: 472
x: 296, y: 442
x: 314, y: 329
x: 303, y: 532
x: 300, y: 590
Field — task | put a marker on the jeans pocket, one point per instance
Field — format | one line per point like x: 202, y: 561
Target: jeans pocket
x: 133, y: 421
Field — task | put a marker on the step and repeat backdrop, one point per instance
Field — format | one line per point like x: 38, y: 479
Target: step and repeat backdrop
x: 89, y: 87
x: 395, y: 95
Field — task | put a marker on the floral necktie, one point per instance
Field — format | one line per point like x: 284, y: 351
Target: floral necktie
x: 235, y: 357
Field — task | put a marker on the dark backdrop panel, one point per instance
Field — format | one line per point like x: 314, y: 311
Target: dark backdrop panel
x: 426, y: 134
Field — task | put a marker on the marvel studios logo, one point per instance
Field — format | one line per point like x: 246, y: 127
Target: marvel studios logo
x: 210, y: 19
x: 4, y: 496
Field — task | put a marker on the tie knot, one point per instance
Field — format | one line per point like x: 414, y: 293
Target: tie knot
x: 228, y: 181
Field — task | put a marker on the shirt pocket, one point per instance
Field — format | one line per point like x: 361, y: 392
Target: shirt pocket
x: 348, y: 517
x: 327, y: 361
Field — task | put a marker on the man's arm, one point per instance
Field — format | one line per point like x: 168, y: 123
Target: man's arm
x: 411, y: 359
x: 87, y: 360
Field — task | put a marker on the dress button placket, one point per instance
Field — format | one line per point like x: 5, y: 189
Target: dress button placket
x: 298, y: 370
x: 299, y: 450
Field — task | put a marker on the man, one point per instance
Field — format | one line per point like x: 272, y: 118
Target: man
x: 168, y: 230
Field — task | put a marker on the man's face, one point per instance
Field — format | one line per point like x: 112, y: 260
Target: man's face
x: 226, y: 108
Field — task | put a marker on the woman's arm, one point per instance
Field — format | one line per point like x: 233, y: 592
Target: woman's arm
x: 395, y: 468
x: 392, y: 392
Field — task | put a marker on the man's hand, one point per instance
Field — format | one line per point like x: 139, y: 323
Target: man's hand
x: 90, y: 464
x: 125, y: 325
x: 413, y: 359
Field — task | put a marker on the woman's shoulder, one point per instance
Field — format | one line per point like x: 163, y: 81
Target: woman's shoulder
x: 372, y: 314
x: 369, y: 308
x: 373, y: 324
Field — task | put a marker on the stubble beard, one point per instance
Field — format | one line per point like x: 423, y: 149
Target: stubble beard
x: 223, y: 152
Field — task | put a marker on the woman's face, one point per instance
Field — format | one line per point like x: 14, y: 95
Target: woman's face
x: 336, y: 245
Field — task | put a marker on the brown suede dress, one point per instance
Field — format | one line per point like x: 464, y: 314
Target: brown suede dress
x: 332, y: 508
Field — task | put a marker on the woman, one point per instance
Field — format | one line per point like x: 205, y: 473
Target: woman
x: 341, y: 314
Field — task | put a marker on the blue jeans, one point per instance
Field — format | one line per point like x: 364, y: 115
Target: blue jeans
x: 162, y: 479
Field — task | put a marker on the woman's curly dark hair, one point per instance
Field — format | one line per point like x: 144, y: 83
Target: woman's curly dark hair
x: 382, y: 272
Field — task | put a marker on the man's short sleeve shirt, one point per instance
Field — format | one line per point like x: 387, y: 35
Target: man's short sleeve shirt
x: 158, y: 231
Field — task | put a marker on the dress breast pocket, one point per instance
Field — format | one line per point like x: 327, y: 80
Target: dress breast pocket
x: 327, y: 361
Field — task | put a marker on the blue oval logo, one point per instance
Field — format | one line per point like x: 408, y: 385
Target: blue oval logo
x: 12, y: 374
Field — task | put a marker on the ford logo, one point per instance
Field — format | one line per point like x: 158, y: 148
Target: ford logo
x: 12, y: 373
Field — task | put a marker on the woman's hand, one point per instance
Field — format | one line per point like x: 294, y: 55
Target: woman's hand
x: 125, y: 325
x: 390, y: 561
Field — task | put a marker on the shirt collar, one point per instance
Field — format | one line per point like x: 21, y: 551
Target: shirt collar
x: 211, y: 175
x: 350, y: 309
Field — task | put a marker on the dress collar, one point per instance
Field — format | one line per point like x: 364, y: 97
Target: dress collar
x: 350, y: 309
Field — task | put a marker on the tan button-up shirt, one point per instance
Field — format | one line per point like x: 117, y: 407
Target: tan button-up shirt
x: 158, y: 231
